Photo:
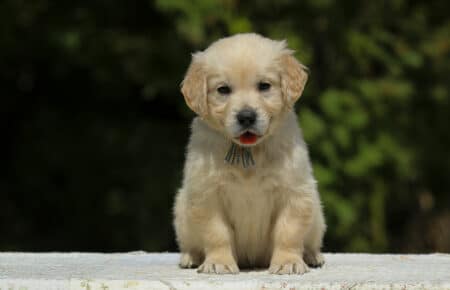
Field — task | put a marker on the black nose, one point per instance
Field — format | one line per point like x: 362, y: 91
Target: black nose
x: 246, y: 117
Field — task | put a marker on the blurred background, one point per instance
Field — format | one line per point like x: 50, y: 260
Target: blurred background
x: 93, y: 126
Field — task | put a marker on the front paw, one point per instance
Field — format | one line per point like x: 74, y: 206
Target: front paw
x: 217, y: 268
x: 296, y: 267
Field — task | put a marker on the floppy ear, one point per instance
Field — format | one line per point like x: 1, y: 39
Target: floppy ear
x: 293, y: 78
x: 193, y: 87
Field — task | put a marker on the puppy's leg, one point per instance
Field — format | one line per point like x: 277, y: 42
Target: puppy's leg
x: 217, y: 241
x: 188, y: 241
x: 313, y: 241
x: 203, y: 235
x: 292, y: 223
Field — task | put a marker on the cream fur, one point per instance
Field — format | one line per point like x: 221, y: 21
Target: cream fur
x: 228, y: 217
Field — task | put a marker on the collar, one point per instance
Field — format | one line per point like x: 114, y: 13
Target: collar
x: 238, y: 154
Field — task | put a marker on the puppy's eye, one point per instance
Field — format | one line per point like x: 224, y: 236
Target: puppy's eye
x: 224, y: 90
x: 263, y: 86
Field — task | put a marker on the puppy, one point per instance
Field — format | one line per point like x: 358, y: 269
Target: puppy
x: 267, y: 213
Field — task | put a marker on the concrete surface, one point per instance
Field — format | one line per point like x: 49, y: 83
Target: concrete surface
x: 139, y: 270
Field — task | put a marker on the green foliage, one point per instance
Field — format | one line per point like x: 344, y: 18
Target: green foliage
x: 94, y: 126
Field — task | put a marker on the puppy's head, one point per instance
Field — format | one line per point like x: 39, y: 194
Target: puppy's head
x: 242, y: 86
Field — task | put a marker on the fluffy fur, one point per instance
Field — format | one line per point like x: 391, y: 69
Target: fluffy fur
x: 228, y: 217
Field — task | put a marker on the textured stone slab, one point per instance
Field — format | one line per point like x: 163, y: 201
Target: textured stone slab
x: 136, y: 271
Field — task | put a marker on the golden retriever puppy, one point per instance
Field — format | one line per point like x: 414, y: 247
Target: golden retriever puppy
x: 262, y: 207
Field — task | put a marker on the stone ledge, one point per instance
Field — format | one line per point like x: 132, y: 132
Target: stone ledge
x: 153, y: 271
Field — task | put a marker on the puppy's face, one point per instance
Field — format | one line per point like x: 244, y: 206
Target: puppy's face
x: 242, y: 85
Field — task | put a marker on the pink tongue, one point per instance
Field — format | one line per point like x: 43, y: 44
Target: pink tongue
x: 248, y: 138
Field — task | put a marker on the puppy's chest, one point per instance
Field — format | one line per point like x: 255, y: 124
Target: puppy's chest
x: 249, y: 202
x: 250, y: 205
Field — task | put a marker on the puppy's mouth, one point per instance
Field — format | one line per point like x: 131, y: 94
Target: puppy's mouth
x: 248, y: 138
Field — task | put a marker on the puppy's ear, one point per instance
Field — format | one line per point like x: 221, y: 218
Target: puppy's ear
x: 194, y: 88
x: 293, y: 78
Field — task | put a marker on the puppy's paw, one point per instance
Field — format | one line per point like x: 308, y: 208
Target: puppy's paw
x: 216, y: 268
x: 298, y: 267
x: 313, y: 259
x: 188, y: 260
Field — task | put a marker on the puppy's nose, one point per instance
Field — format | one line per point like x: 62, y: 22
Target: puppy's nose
x: 246, y: 117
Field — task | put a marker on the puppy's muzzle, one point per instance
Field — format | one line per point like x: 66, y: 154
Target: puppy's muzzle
x: 246, y: 118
